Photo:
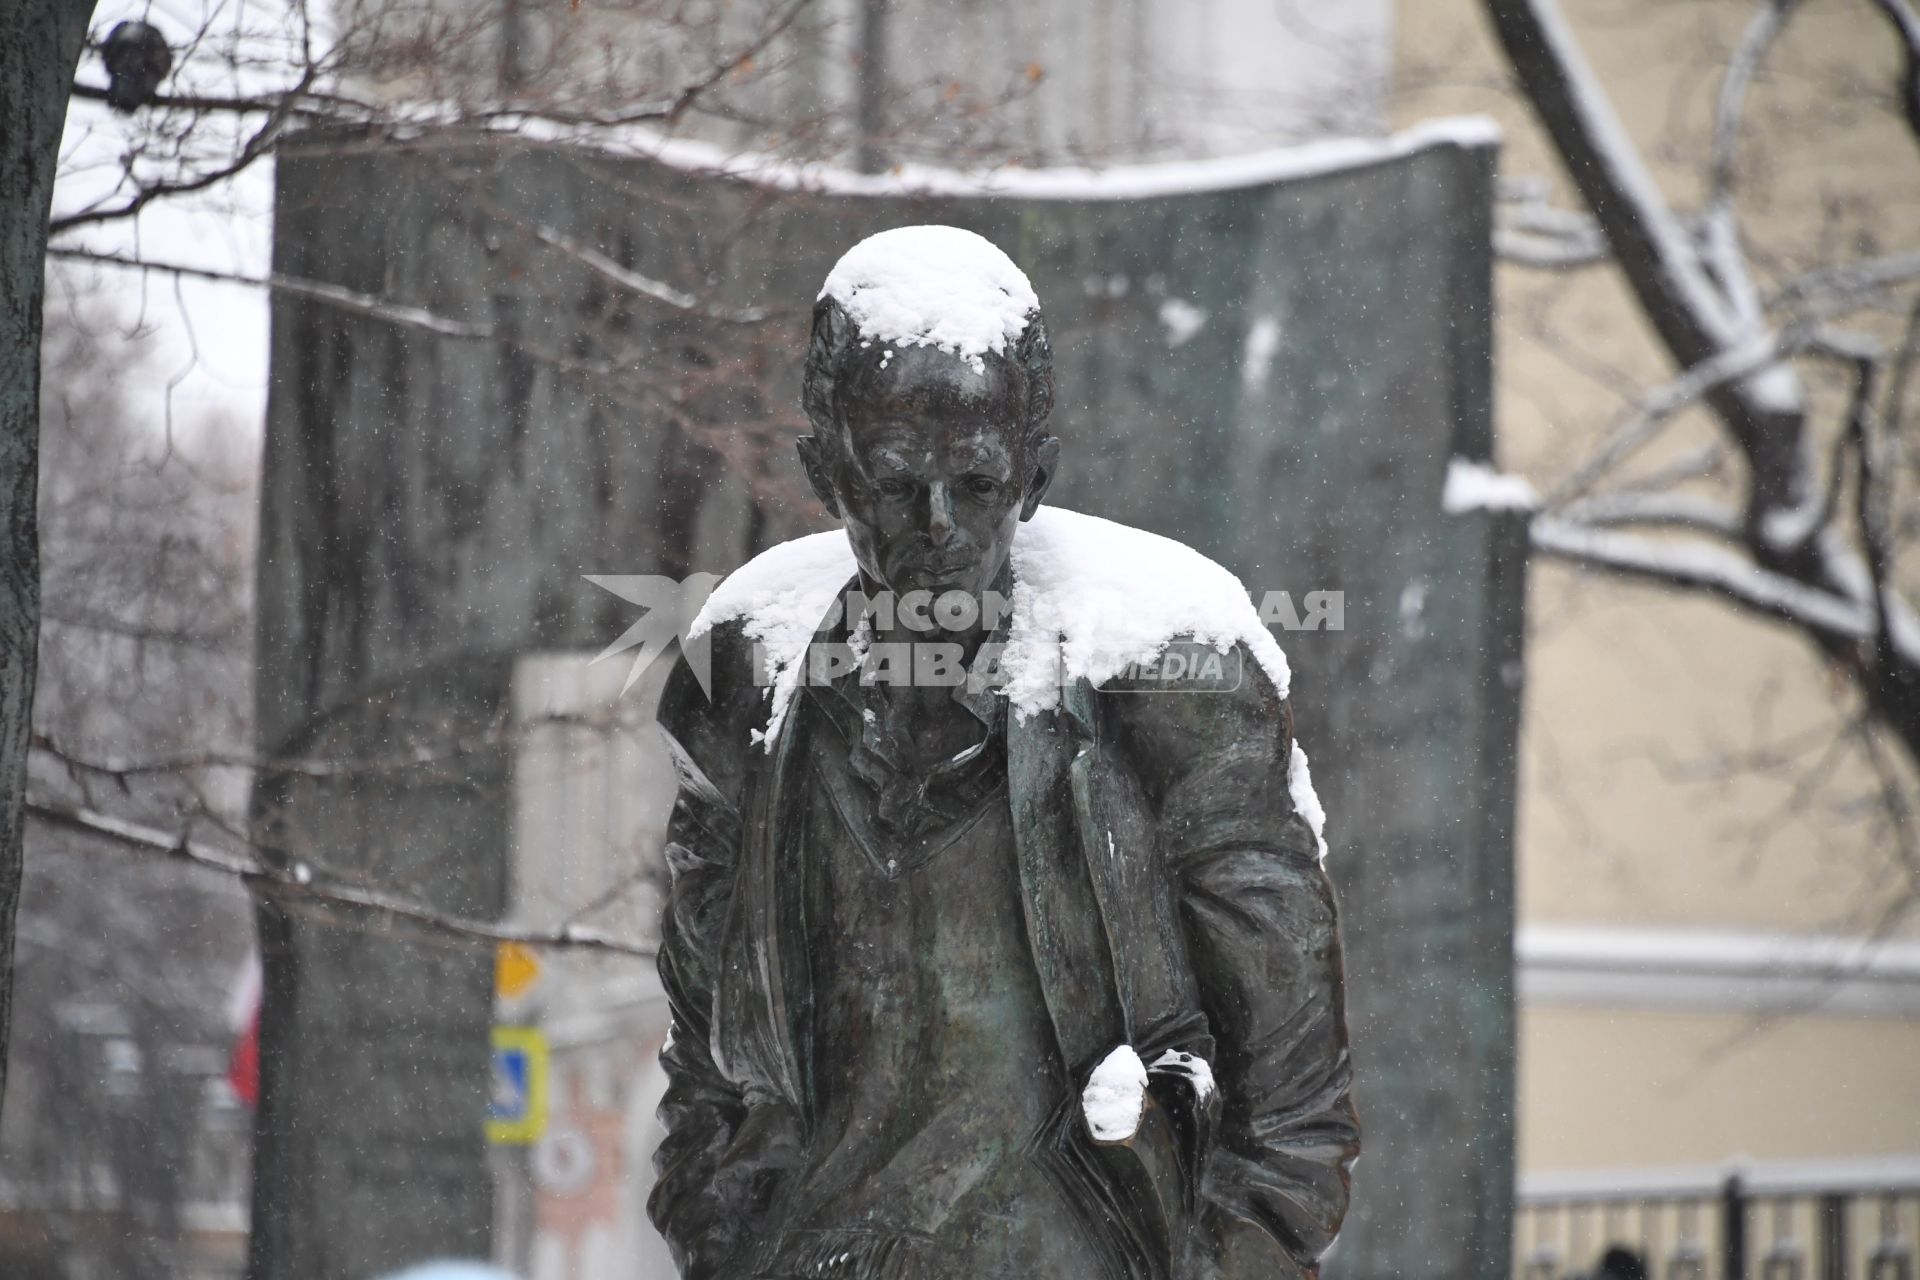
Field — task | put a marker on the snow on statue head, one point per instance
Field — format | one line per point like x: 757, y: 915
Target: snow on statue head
x: 931, y: 287
x: 928, y: 382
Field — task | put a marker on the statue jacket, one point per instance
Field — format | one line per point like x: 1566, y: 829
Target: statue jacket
x: 1175, y: 902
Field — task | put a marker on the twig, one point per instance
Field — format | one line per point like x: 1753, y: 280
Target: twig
x: 1868, y: 504
x: 1903, y: 362
x: 1761, y: 32
x: 300, y: 881
x: 1669, y: 510
x: 1841, y: 288
x: 1721, y: 226
x: 752, y: 50
x: 1906, y: 22
x: 413, y: 758
x: 658, y: 290
x: 258, y: 145
x: 1695, y: 567
x: 352, y: 300
x: 1695, y: 384
x: 1533, y: 232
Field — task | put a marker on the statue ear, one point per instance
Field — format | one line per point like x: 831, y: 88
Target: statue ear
x: 831, y: 333
x: 813, y: 459
x: 1045, y: 457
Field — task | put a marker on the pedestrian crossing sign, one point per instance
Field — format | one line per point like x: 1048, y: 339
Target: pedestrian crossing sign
x: 517, y: 1101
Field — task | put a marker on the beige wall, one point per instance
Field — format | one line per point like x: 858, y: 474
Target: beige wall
x: 1635, y: 809
x: 1621, y: 1088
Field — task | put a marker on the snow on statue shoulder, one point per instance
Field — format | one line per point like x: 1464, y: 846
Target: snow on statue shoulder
x: 1090, y: 599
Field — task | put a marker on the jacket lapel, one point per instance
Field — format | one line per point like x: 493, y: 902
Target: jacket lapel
x: 1064, y: 920
x: 756, y: 1018
x: 1120, y: 839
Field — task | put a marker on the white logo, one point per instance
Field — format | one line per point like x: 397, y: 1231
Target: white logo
x: 670, y: 608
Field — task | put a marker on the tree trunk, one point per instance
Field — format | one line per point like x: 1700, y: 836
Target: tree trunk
x: 40, y: 42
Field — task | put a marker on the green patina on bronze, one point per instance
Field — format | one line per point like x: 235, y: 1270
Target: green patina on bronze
x: 898, y: 1006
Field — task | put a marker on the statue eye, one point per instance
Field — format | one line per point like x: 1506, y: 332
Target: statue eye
x: 982, y: 486
x: 893, y: 490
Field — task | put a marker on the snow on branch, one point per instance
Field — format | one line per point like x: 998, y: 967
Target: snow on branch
x: 1697, y: 311
x: 1605, y: 161
x: 1758, y: 354
x: 300, y: 881
x: 1759, y: 37
x: 1476, y: 486
x: 1534, y: 232
x: 1831, y: 291
x: 1666, y: 510
x: 365, y: 304
x: 1789, y: 553
x: 633, y: 281
x: 1143, y: 181
x: 1721, y: 228
x: 1906, y: 22
x: 1690, y: 565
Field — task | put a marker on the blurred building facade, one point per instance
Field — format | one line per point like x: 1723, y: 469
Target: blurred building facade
x: 1718, y: 939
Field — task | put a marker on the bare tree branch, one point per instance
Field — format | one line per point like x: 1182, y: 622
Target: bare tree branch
x: 1869, y: 502
x: 1702, y: 463
x: 301, y: 881
x: 1720, y: 226
x: 1835, y: 290
x: 256, y: 146
x: 1532, y: 231
x: 1684, y: 302
x: 1659, y: 510
x: 1687, y: 565
x: 1697, y: 294
x: 634, y: 282
x: 1759, y: 38
x: 365, y: 304
x: 1692, y: 387
x: 1906, y: 22
x: 331, y: 105
x: 698, y: 89
x: 412, y: 758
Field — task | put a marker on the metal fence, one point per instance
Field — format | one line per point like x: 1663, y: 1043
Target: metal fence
x: 1733, y: 1227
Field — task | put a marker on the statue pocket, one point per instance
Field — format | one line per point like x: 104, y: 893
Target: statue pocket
x: 1131, y: 1194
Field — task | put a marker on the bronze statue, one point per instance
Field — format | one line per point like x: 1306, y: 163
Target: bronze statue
x: 998, y: 943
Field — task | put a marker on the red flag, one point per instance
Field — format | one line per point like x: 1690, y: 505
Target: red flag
x: 243, y: 1063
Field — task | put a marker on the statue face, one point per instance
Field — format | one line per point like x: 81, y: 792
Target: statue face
x: 937, y: 470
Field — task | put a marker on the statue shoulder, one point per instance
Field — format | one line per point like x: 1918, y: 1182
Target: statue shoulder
x: 1137, y: 611
x: 785, y: 588
x: 714, y: 722
x: 1216, y: 750
x: 1194, y: 692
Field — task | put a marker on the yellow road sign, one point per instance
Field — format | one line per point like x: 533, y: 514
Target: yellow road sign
x: 515, y: 970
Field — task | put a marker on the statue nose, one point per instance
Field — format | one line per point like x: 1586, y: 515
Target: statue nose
x: 939, y: 515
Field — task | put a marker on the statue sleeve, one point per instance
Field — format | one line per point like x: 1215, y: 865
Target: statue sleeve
x: 702, y: 1110
x: 1264, y: 944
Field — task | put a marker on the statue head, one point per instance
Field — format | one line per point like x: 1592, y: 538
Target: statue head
x: 928, y: 382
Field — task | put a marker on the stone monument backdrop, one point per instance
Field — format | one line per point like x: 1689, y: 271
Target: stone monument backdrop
x: 1273, y: 360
